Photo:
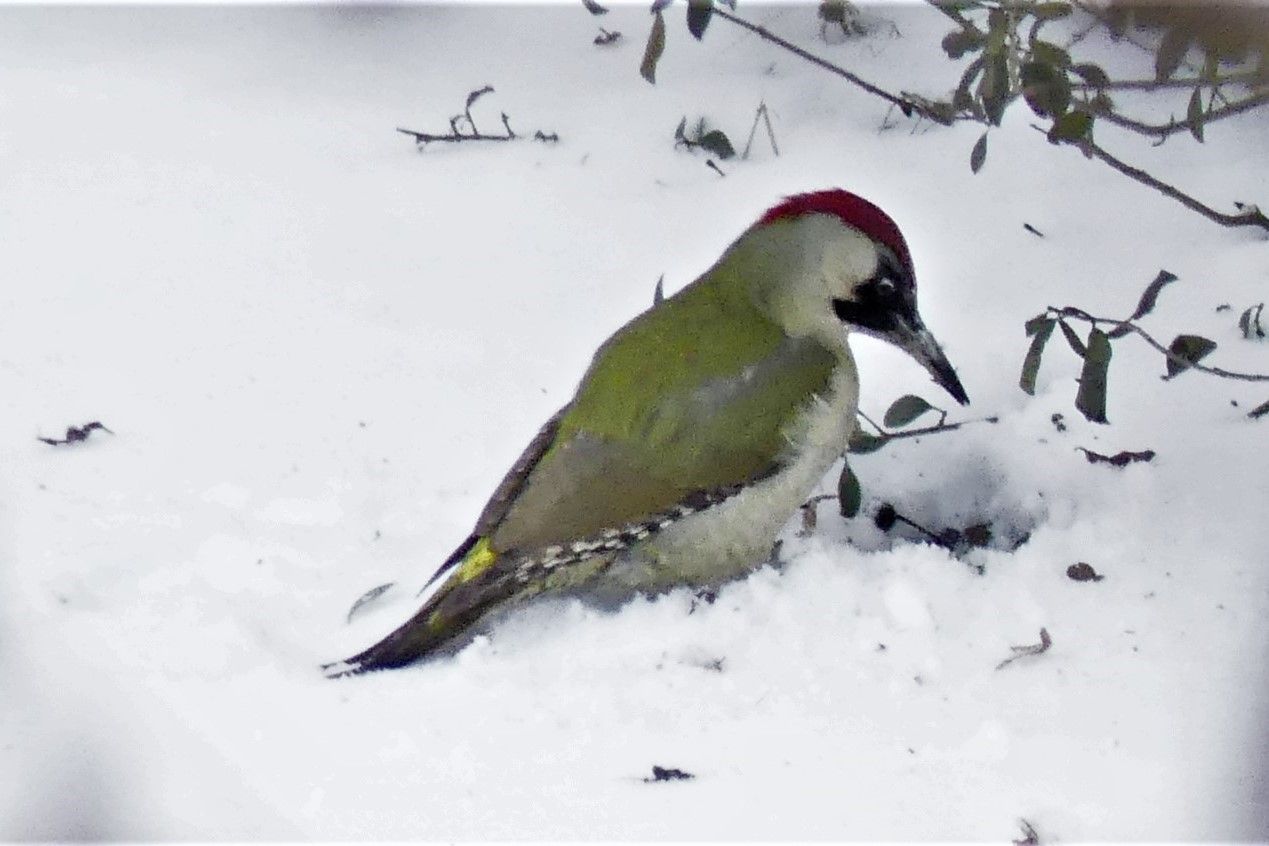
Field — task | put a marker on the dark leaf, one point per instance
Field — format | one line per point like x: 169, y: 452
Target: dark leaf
x: 1091, y: 397
x: 1194, y: 115
x: 1146, y: 304
x: 680, y: 133
x: 1072, y: 126
x: 477, y: 94
x: 652, y: 52
x: 832, y: 11
x: 75, y: 434
x: 1072, y: 338
x: 1051, y: 11
x: 978, y: 534
x: 698, y: 15
x: 885, y: 517
x: 1119, y: 459
x: 668, y: 774
x: 978, y: 155
x: 658, y: 294
x: 717, y: 143
x: 1172, y: 50
x: 605, y: 37
x: 1092, y: 74
x: 1083, y: 572
x: 904, y: 410
x: 658, y: 5
x: 1259, y: 411
x: 862, y: 442
x: 1046, y: 89
x: 849, y: 495
x: 1050, y: 54
x: 959, y: 42
x: 1031, y: 364
x: 962, y: 99
x: 594, y: 8
x: 1191, y: 348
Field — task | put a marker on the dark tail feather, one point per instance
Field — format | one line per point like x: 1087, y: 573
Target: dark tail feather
x: 407, y: 644
x: 444, y: 622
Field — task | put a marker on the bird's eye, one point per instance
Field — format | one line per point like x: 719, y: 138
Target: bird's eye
x: 885, y: 286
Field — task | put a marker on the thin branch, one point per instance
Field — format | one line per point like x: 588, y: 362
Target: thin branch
x: 427, y: 137
x: 1080, y: 314
x: 930, y: 430
x: 1164, y: 130
x: 906, y: 105
x: 1175, y: 82
x: 1251, y: 216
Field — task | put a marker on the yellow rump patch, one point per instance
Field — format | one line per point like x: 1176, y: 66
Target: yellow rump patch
x: 480, y: 559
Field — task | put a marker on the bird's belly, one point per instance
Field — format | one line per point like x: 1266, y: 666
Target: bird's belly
x: 735, y: 537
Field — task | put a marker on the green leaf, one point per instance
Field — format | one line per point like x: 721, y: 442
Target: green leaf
x: 1050, y: 54
x: 1073, y: 339
x: 716, y: 142
x: 1194, y: 115
x: 652, y: 52
x: 1070, y: 127
x: 1031, y: 364
x: 997, y: 31
x: 1036, y: 323
x: 979, y: 154
x: 904, y: 410
x: 1092, y: 74
x: 1146, y: 304
x: 849, y: 495
x: 862, y: 442
x: 1191, y: 348
x: 1091, y: 397
x: 959, y: 42
x: 698, y: 15
x: 1172, y: 50
x: 1045, y: 88
x: 993, y: 88
x: 594, y: 8
x: 1050, y: 11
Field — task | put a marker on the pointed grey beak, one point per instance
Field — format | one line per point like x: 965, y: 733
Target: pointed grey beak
x: 917, y: 342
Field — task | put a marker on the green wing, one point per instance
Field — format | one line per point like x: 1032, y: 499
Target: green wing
x: 658, y: 420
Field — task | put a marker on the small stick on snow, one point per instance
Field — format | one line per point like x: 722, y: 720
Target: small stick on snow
x: 1030, y: 649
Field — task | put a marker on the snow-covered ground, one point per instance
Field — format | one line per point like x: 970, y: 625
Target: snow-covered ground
x: 318, y: 350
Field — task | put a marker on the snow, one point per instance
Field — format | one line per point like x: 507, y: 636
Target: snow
x: 319, y: 350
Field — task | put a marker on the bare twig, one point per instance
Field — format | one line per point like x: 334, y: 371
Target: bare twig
x: 457, y: 133
x: 1080, y: 314
x: 1250, y: 216
x: 905, y: 104
x: 1030, y: 649
x: 761, y: 113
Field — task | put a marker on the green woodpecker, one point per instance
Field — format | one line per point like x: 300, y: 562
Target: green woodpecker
x: 699, y: 429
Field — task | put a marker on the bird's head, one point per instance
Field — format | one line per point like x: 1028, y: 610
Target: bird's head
x: 830, y: 259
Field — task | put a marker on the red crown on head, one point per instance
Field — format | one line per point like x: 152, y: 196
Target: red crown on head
x: 852, y: 210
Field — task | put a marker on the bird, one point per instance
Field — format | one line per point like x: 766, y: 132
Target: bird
x: 699, y: 428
